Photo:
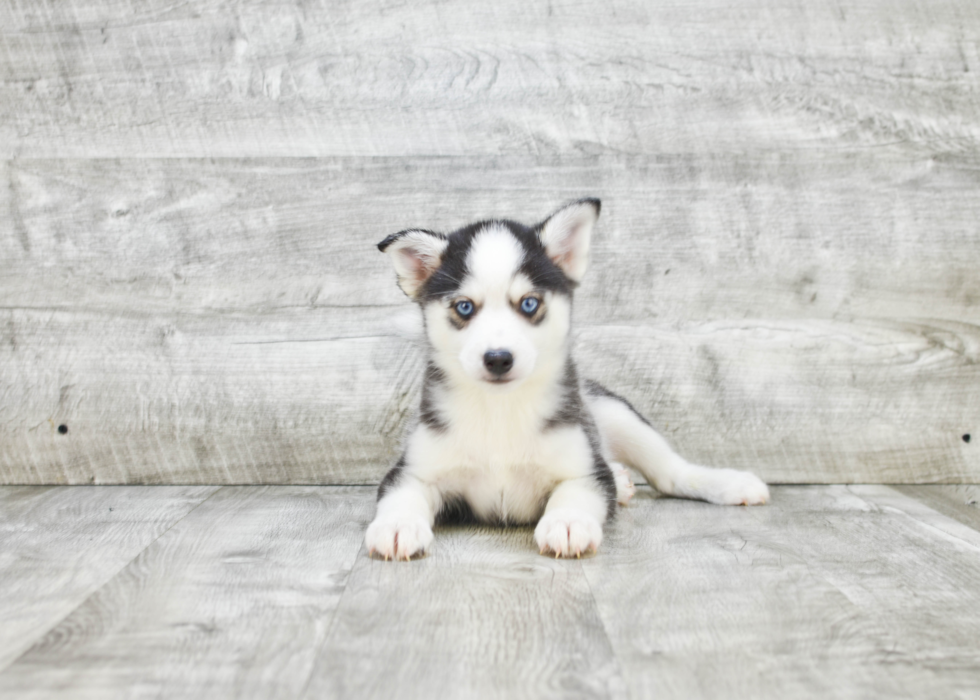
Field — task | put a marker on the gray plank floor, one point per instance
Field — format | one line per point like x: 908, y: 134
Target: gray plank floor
x: 267, y: 592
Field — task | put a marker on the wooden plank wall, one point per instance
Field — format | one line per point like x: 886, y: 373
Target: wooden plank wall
x: 786, y: 276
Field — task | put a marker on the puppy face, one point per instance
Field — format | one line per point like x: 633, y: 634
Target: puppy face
x: 496, y: 295
x: 496, y: 323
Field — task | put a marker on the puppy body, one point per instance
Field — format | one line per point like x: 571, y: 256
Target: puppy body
x: 506, y: 432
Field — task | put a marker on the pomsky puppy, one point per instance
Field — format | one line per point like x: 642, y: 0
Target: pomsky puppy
x: 507, y: 433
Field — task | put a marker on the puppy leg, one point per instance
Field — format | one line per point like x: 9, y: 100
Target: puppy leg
x: 572, y: 520
x: 402, y: 527
x: 632, y: 440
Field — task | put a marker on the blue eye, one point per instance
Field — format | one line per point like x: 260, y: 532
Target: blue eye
x: 529, y: 305
x: 464, y: 308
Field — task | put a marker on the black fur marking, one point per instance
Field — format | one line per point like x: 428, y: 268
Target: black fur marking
x: 537, y: 266
x: 392, y: 477
x: 456, y: 511
x: 600, y: 468
x: 594, y: 388
x: 540, y: 269
x: 428, y: 412
x: 573, y: 412
x: 452, y: 272
x: 542, y: 272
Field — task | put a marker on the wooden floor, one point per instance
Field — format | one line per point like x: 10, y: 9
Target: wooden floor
x: 267, y: 592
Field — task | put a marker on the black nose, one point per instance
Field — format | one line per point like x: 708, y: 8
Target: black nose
x: 498, y: 362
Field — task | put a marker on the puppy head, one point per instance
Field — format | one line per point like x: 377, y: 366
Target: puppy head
x: 496, y: 295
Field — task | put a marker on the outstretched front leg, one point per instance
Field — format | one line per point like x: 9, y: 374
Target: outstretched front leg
x: 402, y: 527
x: 572, y: 520
x: 630, y: 439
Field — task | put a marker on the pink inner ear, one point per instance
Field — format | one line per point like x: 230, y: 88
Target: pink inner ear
x: 561, y: 258
x: 563, y: 249
x: 415, y: 262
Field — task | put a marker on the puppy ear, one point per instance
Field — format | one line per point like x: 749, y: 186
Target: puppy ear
x: 566, y: 236
x: 416, y: 254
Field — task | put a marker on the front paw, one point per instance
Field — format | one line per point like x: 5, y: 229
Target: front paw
x: 566, y: 532
x: 398, y: 536
x: 736, y: 488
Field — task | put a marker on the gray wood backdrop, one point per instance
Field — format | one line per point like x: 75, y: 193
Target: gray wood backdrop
x: 786, y: 276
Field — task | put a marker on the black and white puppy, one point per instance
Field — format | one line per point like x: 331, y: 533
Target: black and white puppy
x: 506, y: 432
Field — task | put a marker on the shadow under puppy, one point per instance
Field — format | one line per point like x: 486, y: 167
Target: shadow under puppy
x: 506, y: 432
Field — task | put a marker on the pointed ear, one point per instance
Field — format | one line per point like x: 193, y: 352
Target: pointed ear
x: 416, y: 254
x: 566, y: 236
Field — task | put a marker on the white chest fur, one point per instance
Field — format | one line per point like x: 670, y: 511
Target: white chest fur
x: 497, y: 453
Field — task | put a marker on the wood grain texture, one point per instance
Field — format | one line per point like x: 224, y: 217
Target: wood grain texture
x: 231, y: 321
x: 829, y: 592
x: 484, y: 616
x: 58, y: 546
x: 843, y: 234
x: 960, y: 502
x: 378, y: 78
x: 208, y: 398
x: 234, y: 601
x: 205, y: 398
x: 812, y: 401
x: 190, y: 195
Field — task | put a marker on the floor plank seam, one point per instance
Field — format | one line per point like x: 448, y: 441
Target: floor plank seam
x: 944, y: 534
x: 962, y: 510
x: 328, y: 630
x: 109, y: 580
x: 605, y: 632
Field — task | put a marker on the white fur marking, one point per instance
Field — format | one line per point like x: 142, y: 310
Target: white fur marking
x: 494, y: 258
